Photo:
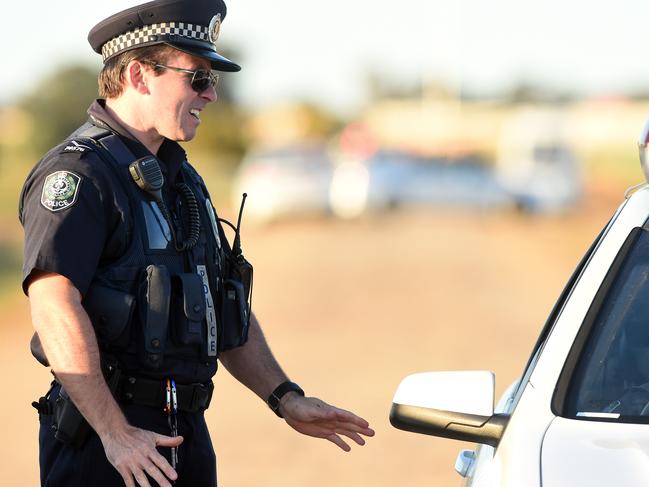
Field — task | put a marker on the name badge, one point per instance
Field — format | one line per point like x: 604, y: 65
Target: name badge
x: 210, y: 312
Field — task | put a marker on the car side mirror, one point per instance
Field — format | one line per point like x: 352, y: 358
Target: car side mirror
x: 456, y: 405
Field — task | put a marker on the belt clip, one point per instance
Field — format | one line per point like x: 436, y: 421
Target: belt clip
x: 174, y: 398
x: 167, y: 408
x: 171, y: 408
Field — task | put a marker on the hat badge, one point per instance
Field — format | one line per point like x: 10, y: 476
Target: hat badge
x: 215, y: 28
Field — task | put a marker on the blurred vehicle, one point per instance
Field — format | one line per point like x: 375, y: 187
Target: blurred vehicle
x: 460, y: 182
x: 579, y: 414
x: 288, y: 181
x: 395, y: 179
x: 536, y: 165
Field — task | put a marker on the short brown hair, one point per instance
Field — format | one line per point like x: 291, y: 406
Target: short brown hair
x: 111, y: 77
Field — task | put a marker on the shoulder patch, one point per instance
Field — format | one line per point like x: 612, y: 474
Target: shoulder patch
x: 60, y: 190
x: 74, y: 146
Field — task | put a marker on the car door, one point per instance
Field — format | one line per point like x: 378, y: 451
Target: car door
x: 600, y: 436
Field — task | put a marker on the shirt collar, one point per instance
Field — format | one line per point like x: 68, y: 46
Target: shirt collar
x: 171, y: 154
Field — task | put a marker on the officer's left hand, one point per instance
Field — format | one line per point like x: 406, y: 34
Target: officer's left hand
x: 313, y: 417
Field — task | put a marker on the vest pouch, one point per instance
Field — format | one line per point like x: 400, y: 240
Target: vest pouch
x: 155, y: 296
x: 36, y: 348
x: 188, y: 309
x: 234, y: 315
x: 111, y: 312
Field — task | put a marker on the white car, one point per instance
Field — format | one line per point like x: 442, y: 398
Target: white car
x: 579, y: 414
x: 284, y: 182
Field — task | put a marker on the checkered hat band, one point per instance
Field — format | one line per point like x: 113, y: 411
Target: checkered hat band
x: 149, y: 33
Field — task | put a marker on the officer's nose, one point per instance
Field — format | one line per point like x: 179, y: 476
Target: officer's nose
x: 209, y: 94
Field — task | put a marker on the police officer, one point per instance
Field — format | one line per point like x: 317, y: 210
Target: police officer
x: 134, y: 290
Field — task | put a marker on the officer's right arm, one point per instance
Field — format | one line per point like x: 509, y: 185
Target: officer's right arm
x: 71, y: 347
x: 65, y: 212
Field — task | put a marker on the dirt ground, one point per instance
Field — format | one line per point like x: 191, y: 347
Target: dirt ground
x: 350, y: 308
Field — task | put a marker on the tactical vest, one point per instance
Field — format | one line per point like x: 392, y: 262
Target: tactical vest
x: 157, y: 311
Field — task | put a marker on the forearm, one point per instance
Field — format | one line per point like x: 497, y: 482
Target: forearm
x: 70, y: 345
x: 253, y: 364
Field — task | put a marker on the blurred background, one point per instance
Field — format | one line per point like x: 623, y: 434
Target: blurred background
x: 422, y: 179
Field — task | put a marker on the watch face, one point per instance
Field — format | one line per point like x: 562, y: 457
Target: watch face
x: 278, y: 393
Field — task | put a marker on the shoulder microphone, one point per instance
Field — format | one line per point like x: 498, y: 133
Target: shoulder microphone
x: 148, y: 176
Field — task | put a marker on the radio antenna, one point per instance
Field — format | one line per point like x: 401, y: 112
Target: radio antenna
x: 236, y: 245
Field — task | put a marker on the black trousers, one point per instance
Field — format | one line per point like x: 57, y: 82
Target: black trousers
x: 62, y: 465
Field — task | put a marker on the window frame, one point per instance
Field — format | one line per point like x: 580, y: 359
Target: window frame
x: 552, y: 319
x: 559, y: 403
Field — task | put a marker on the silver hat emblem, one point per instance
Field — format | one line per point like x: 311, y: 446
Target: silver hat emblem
x: 215, y: 28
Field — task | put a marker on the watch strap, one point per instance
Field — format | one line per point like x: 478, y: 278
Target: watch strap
x: 279, y: 392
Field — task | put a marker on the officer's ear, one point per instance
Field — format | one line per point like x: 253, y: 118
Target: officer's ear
x: 136, y: 75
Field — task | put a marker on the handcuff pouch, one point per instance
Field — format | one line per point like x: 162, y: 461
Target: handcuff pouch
x: 155, y: 291
x: 189, y: 309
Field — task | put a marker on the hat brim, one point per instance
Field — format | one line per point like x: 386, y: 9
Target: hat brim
x: 219, y: 63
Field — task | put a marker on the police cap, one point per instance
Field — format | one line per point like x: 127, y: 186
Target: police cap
x: 191, y: 26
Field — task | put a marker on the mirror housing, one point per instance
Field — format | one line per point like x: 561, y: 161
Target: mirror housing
x: 643, y: 145
x: 456, y: 405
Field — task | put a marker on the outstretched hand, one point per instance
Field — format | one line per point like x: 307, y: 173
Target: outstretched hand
x: 313, y: 417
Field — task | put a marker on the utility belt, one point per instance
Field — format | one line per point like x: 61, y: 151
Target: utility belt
x: 70, y: 426
x: 192, y: 398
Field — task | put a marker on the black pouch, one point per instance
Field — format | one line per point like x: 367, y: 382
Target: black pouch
x: 236, y: 293
x: 110, y: 311
x: 155, y: 295
x: 69, y: 425
x: 189, y: 309
x: 36, y: 348
x: 235, y: 304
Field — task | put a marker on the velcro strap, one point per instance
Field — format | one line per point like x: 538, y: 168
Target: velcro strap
x: 192, y: 398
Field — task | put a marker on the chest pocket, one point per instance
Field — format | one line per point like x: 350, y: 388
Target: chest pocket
x: 157, y: 228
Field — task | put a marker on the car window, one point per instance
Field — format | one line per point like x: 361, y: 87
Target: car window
x: 611, y: 377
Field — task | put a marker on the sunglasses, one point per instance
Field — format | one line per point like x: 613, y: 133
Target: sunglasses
x: 201, y: 80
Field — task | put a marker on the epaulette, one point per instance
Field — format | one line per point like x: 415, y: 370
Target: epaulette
x: 76, y: 147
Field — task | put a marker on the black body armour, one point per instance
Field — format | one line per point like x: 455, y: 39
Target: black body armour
x: 157, y: 311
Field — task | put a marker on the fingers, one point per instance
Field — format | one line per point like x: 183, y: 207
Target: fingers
x: 155, y: 469
x: 162, y: 464
x: 358, y: 439
x: 349, y: 417
x: 135, y: 456
x: 341, y: 415
x: 348, y: 428
x: 142, y: 480
x: 154, y: 472
x: 362, y: 431
x: 162, y: 440
x: 337, y: 440
x: 126, y: 476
